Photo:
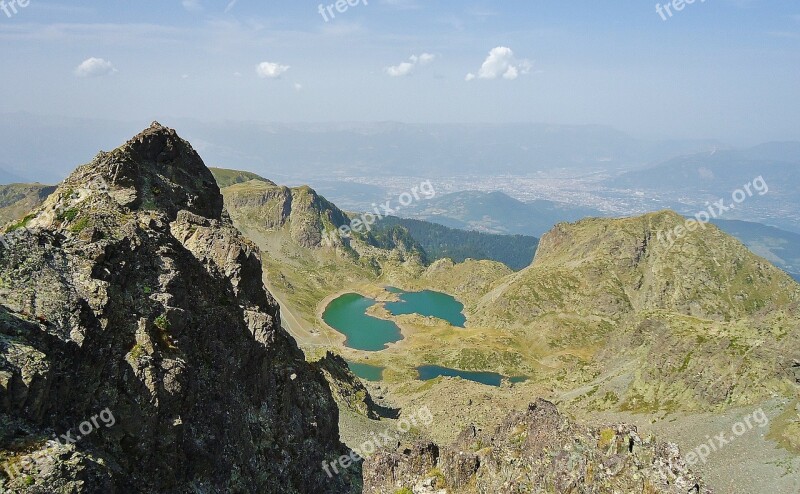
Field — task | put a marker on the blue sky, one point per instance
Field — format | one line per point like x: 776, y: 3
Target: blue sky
x: 727, y: 69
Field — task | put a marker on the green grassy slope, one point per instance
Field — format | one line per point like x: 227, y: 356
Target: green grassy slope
x: 226, y: 177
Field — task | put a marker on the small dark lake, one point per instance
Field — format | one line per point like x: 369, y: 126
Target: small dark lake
x: 428, y: 372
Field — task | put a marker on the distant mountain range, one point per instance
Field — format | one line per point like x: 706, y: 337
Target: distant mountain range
x: 16, y: 200
x: 30, y: 143
x: 696, y: 179
x: 720, y: 172
x: 496, y: 212
x: 260, y: 204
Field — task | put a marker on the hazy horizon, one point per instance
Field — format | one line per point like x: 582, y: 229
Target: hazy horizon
x: 714, y: 70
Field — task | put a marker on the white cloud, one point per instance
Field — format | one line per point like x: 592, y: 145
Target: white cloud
x: 511, y: 74
x: 426, y: 58
x: 94, y: 67
x: 298, y: 86
x: 406, y: 68
x: 501, y: 62
x: 270, y: 70
x: 192, y: 5
x: 401, y: 70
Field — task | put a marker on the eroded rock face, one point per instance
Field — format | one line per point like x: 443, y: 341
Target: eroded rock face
x: 347, y: 389
x: 266, y: 205
x: 538, y: 450
x: 131, y: 291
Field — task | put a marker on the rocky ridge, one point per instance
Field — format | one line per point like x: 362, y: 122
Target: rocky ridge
x: 130, y: 290
x: 535, y: 451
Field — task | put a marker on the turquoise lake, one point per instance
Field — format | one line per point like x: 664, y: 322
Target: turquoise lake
x: 347, y: 314
x: 366, y: 371
x: 428, y: 303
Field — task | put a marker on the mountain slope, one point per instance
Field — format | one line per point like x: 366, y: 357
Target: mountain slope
x: 130, y: 290
x: 624, y: 268
x: 226, y: 177
x: 694, y: 316
x: 308, y: 258
x: 16, y: 200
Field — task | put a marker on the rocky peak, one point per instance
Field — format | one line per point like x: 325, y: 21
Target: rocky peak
x: 130, y: 290
x: 155, y: 171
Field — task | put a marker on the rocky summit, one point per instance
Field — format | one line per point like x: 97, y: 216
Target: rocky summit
x: 129, y: 291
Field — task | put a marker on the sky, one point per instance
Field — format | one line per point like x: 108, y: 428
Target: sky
x: 723, y: 69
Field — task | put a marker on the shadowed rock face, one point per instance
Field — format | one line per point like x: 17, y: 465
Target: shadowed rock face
x: 538, y: 450
x: 131, y: 291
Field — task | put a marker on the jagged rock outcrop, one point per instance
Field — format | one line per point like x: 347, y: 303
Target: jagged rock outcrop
x: 347, y: 389
x: 131, y: 291
x: 535, y: 451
